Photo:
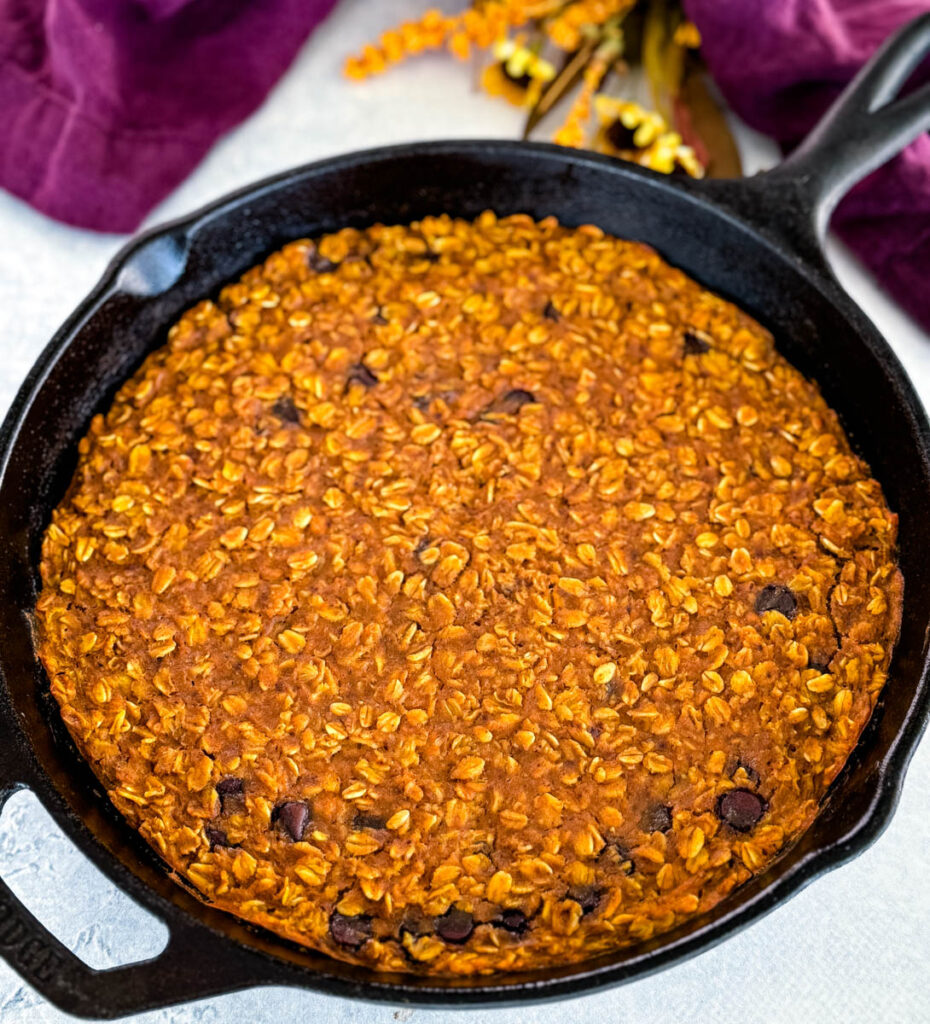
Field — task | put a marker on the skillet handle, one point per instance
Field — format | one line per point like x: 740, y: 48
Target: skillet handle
x: 860, y: 132
x: 864, y: 129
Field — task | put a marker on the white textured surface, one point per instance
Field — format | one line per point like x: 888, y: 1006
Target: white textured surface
x: 852, y: 947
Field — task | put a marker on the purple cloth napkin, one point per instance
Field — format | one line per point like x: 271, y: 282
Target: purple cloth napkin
x: 106, y: 105
x: 779, y: 64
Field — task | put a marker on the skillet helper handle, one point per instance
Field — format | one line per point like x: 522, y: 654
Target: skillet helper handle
x: 68, y: 983
x: 187, y: 968
x: 864, y: 128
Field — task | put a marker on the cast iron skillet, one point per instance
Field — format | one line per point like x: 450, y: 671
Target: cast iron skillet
x: 754, y: 241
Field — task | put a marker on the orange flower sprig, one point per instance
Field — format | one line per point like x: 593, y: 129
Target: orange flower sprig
x: 573, y: 131
x: 480, y: 26
x: 567, y: 29
x: 431, y: 32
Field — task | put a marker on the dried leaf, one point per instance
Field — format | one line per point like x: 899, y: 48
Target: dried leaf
x: 702, y: 124
x: 633, y: 24
x: 663, y: 59
x: 570, y: 75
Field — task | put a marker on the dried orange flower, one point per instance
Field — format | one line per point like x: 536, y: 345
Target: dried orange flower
x: 634, y: 133
x: 687, y: 35
x: 518, y: 73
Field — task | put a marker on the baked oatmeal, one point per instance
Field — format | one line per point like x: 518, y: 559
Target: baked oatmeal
x: 465, y: 597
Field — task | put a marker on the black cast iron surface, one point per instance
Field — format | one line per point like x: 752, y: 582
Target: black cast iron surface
x: 755, y: 242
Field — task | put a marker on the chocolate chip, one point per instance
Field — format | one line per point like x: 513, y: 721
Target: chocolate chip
x: 695, y: 345
x: 819, y: 664
x: 741, y: 809
x: 231, y: 793
x: 352, y: 931
x: 363, y: 820
x: 380, y: 319
x: 319, y: 264
x: 748, y: 770
x: 586, y: 896
x: 360, y: 374
x: 618, y: 855
x: 513, y: 921
x: 658, y: 819
x: 285, y: 410
x: 455, y: 925
x: 621, y: 137
x: 216, y: 837
x: 511, y: 402
x: 292, y: 817
x: 774, y: 597
x: 550, y: 312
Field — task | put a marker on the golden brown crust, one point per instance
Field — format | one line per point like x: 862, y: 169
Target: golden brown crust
x: 485, y: 595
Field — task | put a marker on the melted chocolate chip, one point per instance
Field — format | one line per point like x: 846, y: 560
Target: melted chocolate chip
x: 455, y: 925
x: 586, y: 896
x: 285, y: 410
x: 819, y: 664
x: 695, y: 345
x: 551, y: 313
x: 364, y: 820
x: 231, y: 793
x: 658, y: 819
x: 360, y: 374
x: 380, y: 319
x: 774, y: 597
x: 216, y: 837
x: 351, y: 931
x: 621, y: 137
x: 292, y: 817
x: 618, y: 855
x: 741, y: 809
x: 431, y: 257
x: 511, y: 402
x: 320, y: 264
x: 513, y: 921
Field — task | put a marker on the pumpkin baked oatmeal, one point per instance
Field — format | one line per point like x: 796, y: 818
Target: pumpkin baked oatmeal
x: 463, y: 597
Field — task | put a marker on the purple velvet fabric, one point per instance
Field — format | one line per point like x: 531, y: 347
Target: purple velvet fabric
x: 780, y: 63
x: 106, y: 105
